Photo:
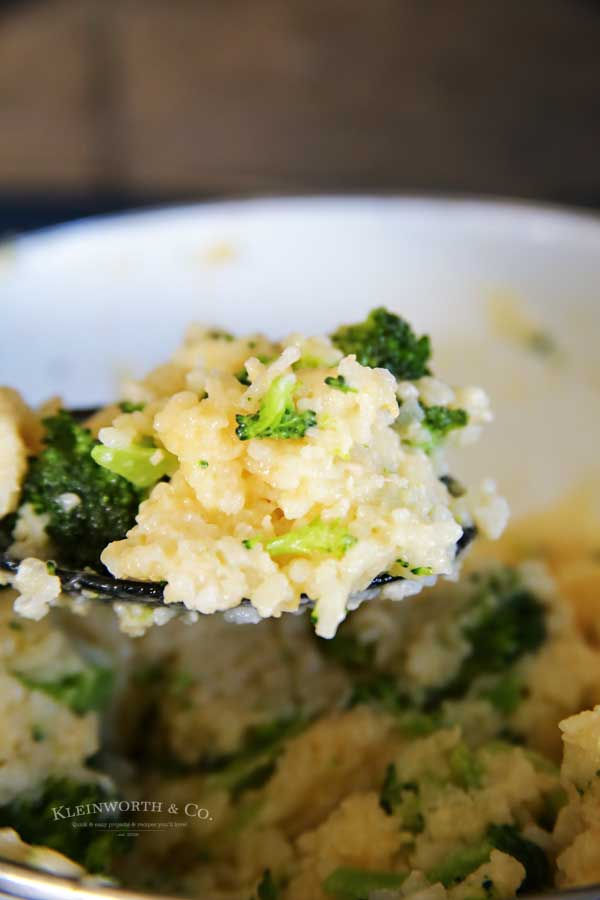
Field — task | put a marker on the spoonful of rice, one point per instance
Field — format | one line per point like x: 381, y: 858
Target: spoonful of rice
x: 246, y: 476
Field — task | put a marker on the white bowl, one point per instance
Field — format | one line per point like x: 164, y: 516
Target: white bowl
x: 84, y: 303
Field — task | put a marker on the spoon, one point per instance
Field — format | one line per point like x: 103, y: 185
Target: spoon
x: 108, y: 589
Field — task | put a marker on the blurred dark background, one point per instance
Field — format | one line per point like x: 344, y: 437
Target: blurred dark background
x: 112, y: 103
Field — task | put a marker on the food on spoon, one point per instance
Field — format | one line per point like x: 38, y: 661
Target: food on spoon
x: 245, y: 468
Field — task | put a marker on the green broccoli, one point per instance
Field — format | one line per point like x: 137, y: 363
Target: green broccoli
x: 386, y: 341
x: 267, y: 889
x: 277, y: 416
x: 385, y: 691
x: 414, y: 723
x: 347, y: 883
x: 84, y: 691
x: 506, y: 838
x: 33, y: 817
x: 505, y: 694
x: 127, y: 406
x: 502, y: 623
x: 440, y: 421
x: 379, y: 689
x: 465, y: 769
x: 416, y: 570
x: 509, y: 839
x: 219, y: 334
x: 340, y: 384
x: 254, y: 763
x: 106, y: 504
x: 141, y: 465
x: 316, y: 537
x: 410, y: 809
x: 391, y: 791
x: 347, y: 650
x: 455, y: 868
x: 402, y: 798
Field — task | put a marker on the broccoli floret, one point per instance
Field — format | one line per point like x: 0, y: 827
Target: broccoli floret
x: 277, y: 417
x: 440, y: 421
x: 465, y: 769
x: 413, y: 723
x: 347, y: 883
x: 140, y: 465
x: 416, y: 570
x: 347, y: 650
x: 386, y: 341
x: 410, y: 809
x: 503, y: 622
x: 243, y: 377
x: 310, y: 361
x: 506, y: 838
x: 505, y: 694
x: 219, y: 334
x: 269, y: 735
x: 82, y: 691
x: 340, y: 384
x: 106, y: 504
x: 458, y: 865
x: 379, y: 689
x: 255, y: 762
x: 391, y: 791
x: 383, y: 690
x: 127, y: 406
x: 317, y: 537
x: 402, y: 798
x: 38, y: 734
x: 509, y: 839
x: 33, y: 817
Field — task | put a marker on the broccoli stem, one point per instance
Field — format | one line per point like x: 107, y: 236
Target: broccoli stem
x: 277, y: 417
x: 458, y: 865
x: 316, y: 537
x: 142, y: 466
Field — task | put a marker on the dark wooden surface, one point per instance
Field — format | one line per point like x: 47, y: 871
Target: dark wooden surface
x: 193, y: 97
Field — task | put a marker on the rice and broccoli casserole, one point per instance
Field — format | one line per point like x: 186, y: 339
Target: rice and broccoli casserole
x: 442, y: 746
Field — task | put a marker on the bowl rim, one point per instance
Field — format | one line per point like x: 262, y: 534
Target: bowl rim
x: 524, y: 211
x: 20, y: 882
